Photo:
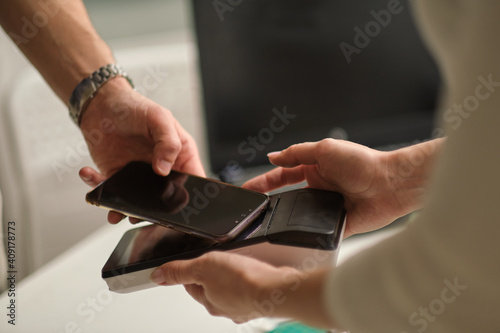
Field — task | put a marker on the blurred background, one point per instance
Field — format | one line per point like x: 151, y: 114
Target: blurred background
x: 243, y: 77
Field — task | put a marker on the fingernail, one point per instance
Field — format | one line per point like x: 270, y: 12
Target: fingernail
x: 273, y: 154
x: 157, y: 276
x: 165, y: 167
x: 86, y: 178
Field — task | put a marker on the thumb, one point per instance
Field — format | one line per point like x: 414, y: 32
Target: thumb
x: 167, y: 143
x: 175, y: 272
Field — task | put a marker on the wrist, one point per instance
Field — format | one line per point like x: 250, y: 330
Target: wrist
x: 106, y: 104
x: 410, y: 167
x: 302, y: 297
x: 88, y: 88
x: 111, y: 90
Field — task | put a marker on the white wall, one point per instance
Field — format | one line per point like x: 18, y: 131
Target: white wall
x: 36, y: 132
x: 12, y: 63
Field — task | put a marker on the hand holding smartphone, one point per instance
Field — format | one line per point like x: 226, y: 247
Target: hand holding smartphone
x: 294, y: 228
x: 187, y: 203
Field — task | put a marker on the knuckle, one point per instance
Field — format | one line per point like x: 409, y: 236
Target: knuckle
x: 208, y: 259
x: 161, y: 113
x: 201, y: 265
x: 175, y: 145
x: 291, y: 149
x: 169, y: 144
x: 325, y: 145
x: 173, y: 274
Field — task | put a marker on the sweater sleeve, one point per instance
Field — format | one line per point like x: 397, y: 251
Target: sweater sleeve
x: 442, y: 273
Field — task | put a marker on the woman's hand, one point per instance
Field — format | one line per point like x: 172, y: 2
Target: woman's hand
x: 378, y: 187
x: 120, y: 125
x: 243, y: 288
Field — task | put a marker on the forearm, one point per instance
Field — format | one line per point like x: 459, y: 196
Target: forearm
x: 58, y: 38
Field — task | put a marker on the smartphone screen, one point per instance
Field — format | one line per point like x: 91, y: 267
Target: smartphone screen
x: 201, y: 206
x: 143, y: 245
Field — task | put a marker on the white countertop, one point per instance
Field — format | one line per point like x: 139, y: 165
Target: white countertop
x: 68, y: 295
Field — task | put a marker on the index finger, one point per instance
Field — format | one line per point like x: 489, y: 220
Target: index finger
x: 301, y: 153
x: 93, y: 178
x: 90, y: 176
x: 275, y: 179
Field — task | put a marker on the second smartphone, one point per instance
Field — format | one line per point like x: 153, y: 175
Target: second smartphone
x: 191, y: 204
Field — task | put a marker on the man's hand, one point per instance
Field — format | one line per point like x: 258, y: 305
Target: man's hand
x: 378, y: 187
x: 121, y: 126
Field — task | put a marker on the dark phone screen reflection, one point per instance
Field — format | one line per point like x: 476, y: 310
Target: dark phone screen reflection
x: 193, y: 202
x: 154, y: 242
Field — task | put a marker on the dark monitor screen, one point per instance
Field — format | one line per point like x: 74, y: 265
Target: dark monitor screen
x: 278, y: 72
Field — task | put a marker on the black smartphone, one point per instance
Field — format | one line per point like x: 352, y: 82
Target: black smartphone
x: 142, y: 250
x: 195, y: 205
x: 301, y: 228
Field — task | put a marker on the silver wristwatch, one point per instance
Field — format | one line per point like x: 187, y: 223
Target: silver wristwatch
x: 86, y: 89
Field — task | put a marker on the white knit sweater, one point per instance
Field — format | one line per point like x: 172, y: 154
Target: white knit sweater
x: 442, y: 273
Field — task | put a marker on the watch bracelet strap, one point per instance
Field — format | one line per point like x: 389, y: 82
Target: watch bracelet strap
x: 86, y: 89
